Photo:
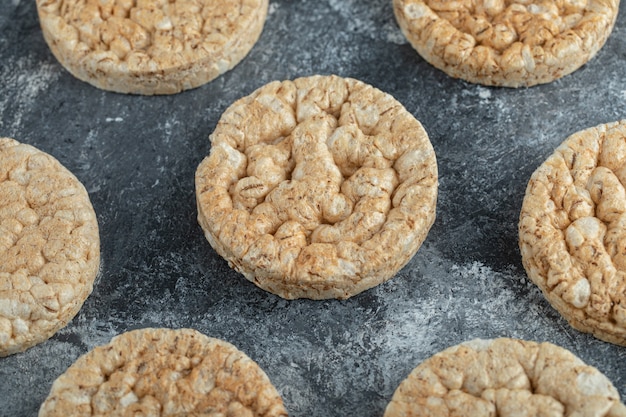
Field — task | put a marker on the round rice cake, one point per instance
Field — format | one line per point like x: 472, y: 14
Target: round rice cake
x: 49, y: 246
x: 510, y: 43
x: 150, y: 46
x: 505, y: 377
x: 321, y: 187
x: 572, y: 230
x: 163, y: 372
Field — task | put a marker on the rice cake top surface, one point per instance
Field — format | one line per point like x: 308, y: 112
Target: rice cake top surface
x: 163, y: 372
x: 505, y: 377
x: 507, y: 42
x: 572, y: 230
x: 49, y: 246
x: 318, y: 187
x: 150, y: 46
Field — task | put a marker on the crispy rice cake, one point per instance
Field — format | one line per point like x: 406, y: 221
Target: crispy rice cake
x: 150, y: 46
x: 163, y: 372
x: 320, y: 187
x: 505, y: 377
x: 49, y: 246
x: 510, y: 43
x: 572, y: 230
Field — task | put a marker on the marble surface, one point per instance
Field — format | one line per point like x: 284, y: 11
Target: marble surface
x: 137, y: 157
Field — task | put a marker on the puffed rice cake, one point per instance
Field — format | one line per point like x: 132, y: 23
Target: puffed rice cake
x: 49, y: 246
x: 321, y: 187
x: 150, y: 46
x: 163, y: 372
x: 572, y: 230
x: 512, y: 43
x: 505, y: 377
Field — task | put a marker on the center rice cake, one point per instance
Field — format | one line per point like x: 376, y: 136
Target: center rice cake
x: 321, y: 187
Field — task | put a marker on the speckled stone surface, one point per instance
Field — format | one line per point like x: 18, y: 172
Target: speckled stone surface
x: 137, y: 157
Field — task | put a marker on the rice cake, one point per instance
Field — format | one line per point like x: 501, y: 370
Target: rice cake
x: 321, y: 187
x: 49, y: 246
x: 572, y: 230
x: 163, y: 372
x: 512, y: 43
x: 150, y: 46
x: 505, y: 377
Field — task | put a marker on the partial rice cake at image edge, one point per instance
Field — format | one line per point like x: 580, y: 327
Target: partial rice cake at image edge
x: 505, y: 377
x: 49, y: 246
x: 164, y: 372
x: 572, y: 230
x: 150, y: 47
x: 506, y: 43
x: 321, y: 187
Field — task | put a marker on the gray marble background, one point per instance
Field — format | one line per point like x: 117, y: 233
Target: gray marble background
x: 137, y: 157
